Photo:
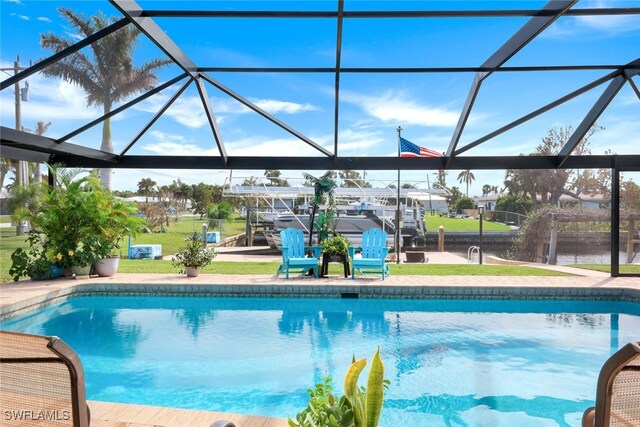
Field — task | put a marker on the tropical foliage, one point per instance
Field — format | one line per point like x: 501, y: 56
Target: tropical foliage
x: 79, y: 221
x: 466, y: 177
x: 194, y: 254
x: 323, y: 188
x: 108, y: 75
x: 358, y: 407
x: 518, y: 203
x: 336, y: 245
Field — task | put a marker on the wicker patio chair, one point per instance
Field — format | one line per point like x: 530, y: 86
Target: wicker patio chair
x: 618, y: 391
x: 41, y: 382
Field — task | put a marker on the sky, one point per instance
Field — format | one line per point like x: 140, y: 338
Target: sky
x: 372, y: 106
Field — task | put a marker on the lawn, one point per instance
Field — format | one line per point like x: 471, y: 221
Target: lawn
x: 624, y: 268
x: 269, y: 268
x: 462, y: 224
x: 171, y: 240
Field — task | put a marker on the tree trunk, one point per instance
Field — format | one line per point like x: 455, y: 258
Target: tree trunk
x: 105, y: 174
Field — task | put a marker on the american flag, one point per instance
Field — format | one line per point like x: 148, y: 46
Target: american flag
x: 409, y: 149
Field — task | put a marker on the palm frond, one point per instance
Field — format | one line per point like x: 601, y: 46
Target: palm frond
x: 78, y: 20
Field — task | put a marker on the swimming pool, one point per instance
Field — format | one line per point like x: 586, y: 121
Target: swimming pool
x: 450, y: 362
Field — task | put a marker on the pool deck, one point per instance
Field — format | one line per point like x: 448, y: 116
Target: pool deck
x: 27, y: 295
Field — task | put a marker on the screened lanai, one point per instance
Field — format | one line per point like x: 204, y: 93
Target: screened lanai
x: 333, y: 85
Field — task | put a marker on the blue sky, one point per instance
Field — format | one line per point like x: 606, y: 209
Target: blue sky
x: 427, y: 106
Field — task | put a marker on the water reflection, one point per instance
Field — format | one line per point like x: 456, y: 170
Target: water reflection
x: 452, y: 359
x: 451, y: 408
x: 95, y: 332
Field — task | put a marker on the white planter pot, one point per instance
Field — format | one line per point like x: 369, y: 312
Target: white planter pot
x: 82, y: 271
x: 106, y: 267
x: 193, y: 271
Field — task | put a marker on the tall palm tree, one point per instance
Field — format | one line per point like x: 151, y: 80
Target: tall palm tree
x: 467, y: 177
x: 108, y: 75
x: 41, y: 129
x: 146, y: 188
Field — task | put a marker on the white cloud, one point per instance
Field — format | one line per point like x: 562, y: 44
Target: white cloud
x: 24, y: 17
x: 74, y: 36
x: 603, y: 25
x: 52, y: 100
x: 15, y: 1
x: 188, y: 110
x: 44, y: 19
x: 161, y: 136
x: 397, y: 107
x: 176, y: 149
x: 273, y: 106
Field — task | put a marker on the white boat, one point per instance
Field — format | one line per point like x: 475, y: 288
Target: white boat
x: 350, y: 225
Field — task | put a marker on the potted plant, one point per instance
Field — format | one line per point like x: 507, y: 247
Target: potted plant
x: 115, y: 220
x: 79, y: 210
x: 193, y: 256
x: 336, y: 247
x: 84, y: 255
x: 36, y: 262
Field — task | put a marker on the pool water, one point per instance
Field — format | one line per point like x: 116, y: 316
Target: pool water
x: 449, y: 362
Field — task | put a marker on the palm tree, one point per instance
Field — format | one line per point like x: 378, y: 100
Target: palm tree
x: 322, y: 186
x: 108, y: 75
x: 41, y: 129
x: 467, y: 177
x: 146, y: 188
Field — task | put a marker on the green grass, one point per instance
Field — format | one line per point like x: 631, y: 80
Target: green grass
x: 5, y: 219
x: 173, y: 238
x: 624, y: 268
x: 269, y: 268
x: 462, y: 224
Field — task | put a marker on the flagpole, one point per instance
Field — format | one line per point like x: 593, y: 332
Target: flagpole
x: 398, y: 228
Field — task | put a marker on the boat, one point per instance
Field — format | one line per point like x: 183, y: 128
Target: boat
x: 349, y: 223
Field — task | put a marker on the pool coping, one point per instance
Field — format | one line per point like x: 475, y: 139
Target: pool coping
x: 22, y: 297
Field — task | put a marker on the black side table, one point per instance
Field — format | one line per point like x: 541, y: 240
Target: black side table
x: 327, y: 258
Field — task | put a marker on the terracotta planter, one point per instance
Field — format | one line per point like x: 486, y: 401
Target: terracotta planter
x: 193, y: 271
x: 82, y: 271
x: 106, y: 267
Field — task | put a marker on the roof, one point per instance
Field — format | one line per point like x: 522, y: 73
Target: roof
x: 528, y: 25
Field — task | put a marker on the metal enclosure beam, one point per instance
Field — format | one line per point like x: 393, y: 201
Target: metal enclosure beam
x: 264, y: 114
x: 336, y: 116
x: 524, y: 35
x: 633, y: 86
x: 163, y: 13
x: 615, y: 221
x: 537, y: 112
x: 14, y: 153
x: 211, y: 118
x: 631, y: 162
x: 601, y: 104
x: 42, y: 144
x: 122, y: 107
x: 133, y: 12
x: 63, y: 53
x: 160, y: 112
x: 416, y: 70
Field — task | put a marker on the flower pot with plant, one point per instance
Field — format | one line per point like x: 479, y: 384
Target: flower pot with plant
x: 80, y: 220
x: 336, y: 246
x: 36, y: 262
x: 193, y: 256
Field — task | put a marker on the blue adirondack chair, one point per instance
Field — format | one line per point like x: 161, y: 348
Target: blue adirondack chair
x: 294, y: 257
x: 373, y: 252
